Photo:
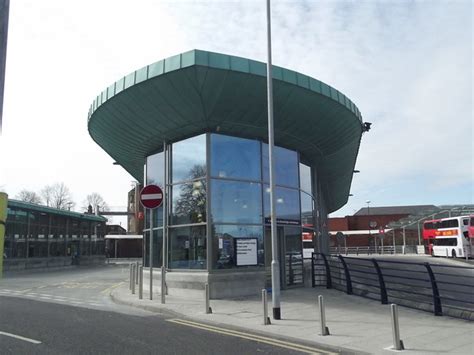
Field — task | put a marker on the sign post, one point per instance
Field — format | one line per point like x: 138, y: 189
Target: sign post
x: 151, y: 197
x: 381, y: 235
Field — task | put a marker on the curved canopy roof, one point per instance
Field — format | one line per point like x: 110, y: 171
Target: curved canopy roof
x: 199, y: 91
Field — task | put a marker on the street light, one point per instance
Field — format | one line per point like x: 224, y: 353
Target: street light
x: 275, y: 263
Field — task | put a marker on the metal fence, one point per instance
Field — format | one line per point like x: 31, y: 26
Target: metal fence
x: 441, y: 289
x: 399, y: 249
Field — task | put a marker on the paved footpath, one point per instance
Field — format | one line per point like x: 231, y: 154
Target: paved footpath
x: 355, y: 323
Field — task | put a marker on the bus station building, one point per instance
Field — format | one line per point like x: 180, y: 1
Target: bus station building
x: 196, y: 125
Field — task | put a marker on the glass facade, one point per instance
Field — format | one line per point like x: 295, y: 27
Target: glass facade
x: 218, y: 199
x: 235, y: 158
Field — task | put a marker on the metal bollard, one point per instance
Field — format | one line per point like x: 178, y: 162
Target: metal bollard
x: 266, y: 318
x: 397, y: 343
x: 357, y: 250
x: 208, y: 308
x: 130, y: 284
x: 151, y: 283
x: 137, y: 267
x: 140, y: 283
x: 133, y: 279
x: 163, y: 285
x: 322, y: 313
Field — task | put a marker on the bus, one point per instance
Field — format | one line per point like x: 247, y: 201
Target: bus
x: 308, y: 246
x: 449, y: 237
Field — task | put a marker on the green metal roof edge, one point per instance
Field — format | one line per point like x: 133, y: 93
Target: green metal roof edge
x: 46, y: 209
x: 225, y: 62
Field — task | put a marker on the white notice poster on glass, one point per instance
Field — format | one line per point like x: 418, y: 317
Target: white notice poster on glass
x: 246, y: 250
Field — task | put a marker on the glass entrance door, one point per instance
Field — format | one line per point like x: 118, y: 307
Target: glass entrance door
x: 290, y: 256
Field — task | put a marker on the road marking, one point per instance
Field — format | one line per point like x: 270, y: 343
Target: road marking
x: 248, y: 336
x: 109, y: 289
x: 20, y: 337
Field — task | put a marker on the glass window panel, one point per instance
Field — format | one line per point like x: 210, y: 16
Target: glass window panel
x: 155, y: 169
x: 286, y: 166
x: 157, y: 217
x: 306, y: 210
x: 287, y: 204
x: 189, y: 203
x: 234, y: 157
x: 305, y: 178
x: 236, y: 202
x: 157, y: 247
x: 189, y: 159
x: 187, y: 248
x: 224, y: 253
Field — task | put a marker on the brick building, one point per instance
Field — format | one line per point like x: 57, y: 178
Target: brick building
x: 366, y: 226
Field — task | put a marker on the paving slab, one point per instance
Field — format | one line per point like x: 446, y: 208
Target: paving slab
x: 355, y: 323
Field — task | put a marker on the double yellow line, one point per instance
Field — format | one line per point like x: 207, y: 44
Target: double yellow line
x: 253, y: 337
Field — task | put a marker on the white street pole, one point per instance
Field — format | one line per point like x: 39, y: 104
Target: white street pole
x: 404, y: 240
x: 275, y: 262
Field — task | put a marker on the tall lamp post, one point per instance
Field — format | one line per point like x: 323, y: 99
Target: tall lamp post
x: 275, y: 262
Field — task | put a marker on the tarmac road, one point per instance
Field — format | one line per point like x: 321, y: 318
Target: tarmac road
x: 70, y: 312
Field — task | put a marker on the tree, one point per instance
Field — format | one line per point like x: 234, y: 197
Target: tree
x: 94, y: 199
x: 29, y: 196
x: 192, y: 199
x: 58, y: 196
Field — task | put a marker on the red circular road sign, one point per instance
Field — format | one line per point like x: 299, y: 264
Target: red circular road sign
x: 151, y: 196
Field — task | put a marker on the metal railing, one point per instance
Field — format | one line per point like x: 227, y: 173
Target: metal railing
x: 441, y: 289
x: 399, y: 249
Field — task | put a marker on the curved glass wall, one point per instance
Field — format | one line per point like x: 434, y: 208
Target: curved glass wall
x: 189, y: 159
x: 235, y: 158
x: 219, y: 202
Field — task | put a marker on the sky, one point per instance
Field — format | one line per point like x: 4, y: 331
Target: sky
x: 407, y: 65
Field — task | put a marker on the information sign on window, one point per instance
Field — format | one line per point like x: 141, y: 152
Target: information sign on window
x: 246, y: 251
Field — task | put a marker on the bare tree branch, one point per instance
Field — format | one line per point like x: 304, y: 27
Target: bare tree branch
x: 94, y: 199
x: 29, y: 196
x: 58, y: 196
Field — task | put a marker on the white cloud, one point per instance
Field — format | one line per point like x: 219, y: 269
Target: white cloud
x: 407, y: 65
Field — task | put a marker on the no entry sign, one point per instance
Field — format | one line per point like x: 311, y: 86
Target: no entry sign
x: 151, y: 196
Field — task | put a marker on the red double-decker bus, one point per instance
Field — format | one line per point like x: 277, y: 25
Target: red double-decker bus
x: 452, y: 236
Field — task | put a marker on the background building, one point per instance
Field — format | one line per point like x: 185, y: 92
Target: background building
x: 398, y: 225
x: 38, y: 236
x: 196, y: 124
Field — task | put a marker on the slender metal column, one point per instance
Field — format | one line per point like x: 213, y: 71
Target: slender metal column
x: 140, y: 282
x: 165, y: 224
x: 275, y: 262
x: 151, y: 254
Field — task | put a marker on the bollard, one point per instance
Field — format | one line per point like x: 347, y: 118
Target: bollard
x: 208, y: 308
x: 266, y: 318
x: 322, y: 313
x: 130, y: 284
x: 357, y: 250
x: 140, y: 283
x: 163, y: 285
x: 397, y: 343
x: 151, y: 283
x: 133, y: 279
x: 465, y: 254
x: 137, y: 267
x: 447, y: 252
